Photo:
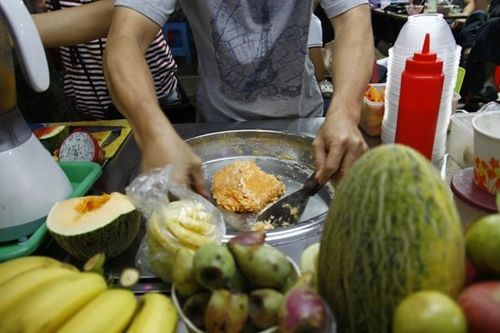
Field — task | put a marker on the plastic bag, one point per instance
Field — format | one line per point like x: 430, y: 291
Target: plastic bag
x: 176, y: 217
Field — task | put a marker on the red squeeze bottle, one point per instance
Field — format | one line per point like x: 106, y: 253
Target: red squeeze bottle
x: 419, y: 100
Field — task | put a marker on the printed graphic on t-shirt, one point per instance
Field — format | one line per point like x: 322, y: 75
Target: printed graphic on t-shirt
x: 260, y: 47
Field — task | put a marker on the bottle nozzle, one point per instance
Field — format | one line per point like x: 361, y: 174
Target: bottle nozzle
x: 427, y: 42
x: 425, y: 61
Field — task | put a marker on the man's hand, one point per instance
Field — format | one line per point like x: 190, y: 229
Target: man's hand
x: 339, y: 142
x: 337, y: 145
x: 187, y: 166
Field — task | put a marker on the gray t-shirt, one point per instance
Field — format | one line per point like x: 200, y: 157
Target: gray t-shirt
x: 252, y: 55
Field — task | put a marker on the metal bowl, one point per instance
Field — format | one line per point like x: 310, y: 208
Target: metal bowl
x: 286, y: 155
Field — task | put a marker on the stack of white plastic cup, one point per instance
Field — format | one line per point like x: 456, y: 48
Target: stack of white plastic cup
x: 410, y: 40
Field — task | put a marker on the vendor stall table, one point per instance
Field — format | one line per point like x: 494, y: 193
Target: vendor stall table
x: 125, y: 165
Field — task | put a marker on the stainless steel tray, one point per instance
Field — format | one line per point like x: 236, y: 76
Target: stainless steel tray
x: 286, y: 155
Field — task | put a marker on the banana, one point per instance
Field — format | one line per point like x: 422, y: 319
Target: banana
x: 110, y: 312
x: 22, y: 284
x: 156, y: 315
x: 49, y: 307
x: 11, y: 268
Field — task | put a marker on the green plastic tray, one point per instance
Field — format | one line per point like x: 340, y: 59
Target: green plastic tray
x: 82, y: 176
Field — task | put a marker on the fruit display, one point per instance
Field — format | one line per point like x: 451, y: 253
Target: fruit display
x: 392, y: 230
x: 57, y: 297
x: 183, y: 224
x: 429, y: 312
x: 88, y: 225
x: 246, y: 286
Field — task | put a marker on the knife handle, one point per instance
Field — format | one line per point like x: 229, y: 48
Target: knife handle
x: 311, y: 185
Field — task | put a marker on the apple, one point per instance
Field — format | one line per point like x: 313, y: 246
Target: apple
x: 428, y: 311
x: 481, y: 305
x: 482, y: 242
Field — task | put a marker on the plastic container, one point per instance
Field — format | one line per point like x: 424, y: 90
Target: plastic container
x: 417, y: 116
x: 414, y: 30
x: 372, y: 113
x: 461, y: 139
x: 82, y: 175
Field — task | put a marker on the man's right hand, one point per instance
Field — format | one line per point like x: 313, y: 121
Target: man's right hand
x: 187, y: 165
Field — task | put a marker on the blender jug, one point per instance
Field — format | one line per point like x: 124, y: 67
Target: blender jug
x: 30, y: 180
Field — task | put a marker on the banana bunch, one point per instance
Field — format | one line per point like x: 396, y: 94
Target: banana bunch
x: 180, y: 224
x: 40, y: 294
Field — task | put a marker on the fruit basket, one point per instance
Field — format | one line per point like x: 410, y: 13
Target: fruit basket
x: 191, y: 327
x: 82, y: 175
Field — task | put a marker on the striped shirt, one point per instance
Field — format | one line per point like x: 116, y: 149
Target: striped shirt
x: 84, y: 79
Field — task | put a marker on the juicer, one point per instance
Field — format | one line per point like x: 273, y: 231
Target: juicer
x: 30, y: 179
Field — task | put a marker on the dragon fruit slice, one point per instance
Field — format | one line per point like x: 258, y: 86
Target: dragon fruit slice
x: 80, y: 146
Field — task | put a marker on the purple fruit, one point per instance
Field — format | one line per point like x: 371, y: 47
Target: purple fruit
x: 303, y: 310
x: 250, y: 238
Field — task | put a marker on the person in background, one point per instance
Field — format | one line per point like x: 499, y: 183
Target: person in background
x: 316, y: 54
x: 467, y: 8
x: 77, y: 28
x: 481, y: 53
x: 253, y: 65
x: 315, y: 46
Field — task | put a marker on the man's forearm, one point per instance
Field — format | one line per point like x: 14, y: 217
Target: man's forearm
x: 129, y: 79
x: 76, y: 25
x: 353, y: 57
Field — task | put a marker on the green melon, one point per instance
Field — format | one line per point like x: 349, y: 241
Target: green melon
x: 392, y: 229
x: 88, y: 225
